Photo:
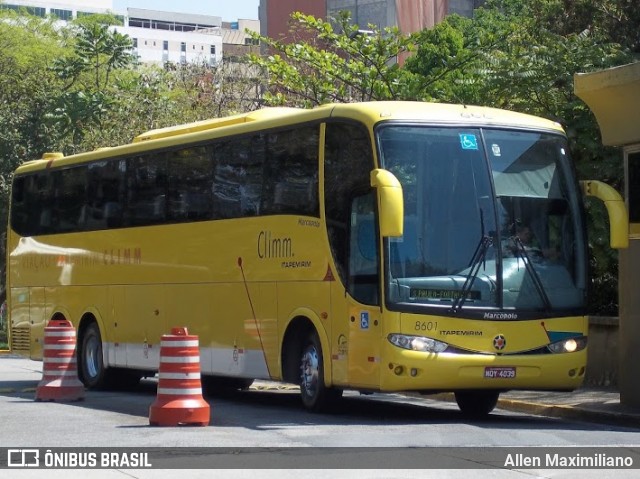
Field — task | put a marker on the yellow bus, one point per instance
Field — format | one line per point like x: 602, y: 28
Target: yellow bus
x: 383, y: 246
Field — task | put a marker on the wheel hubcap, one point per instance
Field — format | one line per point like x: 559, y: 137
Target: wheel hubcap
x: 309, y: 371
x: 91, y: 357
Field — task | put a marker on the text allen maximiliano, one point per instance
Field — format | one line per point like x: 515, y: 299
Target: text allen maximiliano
x: 600, y: 460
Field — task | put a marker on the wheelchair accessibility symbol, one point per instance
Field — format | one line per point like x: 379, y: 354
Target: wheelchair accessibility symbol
x: 364, y: 320
x: 468, y: 141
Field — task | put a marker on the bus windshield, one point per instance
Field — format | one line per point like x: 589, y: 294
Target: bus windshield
x: 492, y: 221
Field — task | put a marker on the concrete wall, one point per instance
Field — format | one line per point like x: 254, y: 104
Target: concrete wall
x: 603, y: 353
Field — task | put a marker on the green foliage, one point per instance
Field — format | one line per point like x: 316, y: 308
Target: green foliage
x: 615, y: 20
x: 27, y: 47
x: 96, y: 53
x: 335, y: 63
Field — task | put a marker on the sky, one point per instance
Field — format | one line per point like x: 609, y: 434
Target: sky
x: 229, y: 10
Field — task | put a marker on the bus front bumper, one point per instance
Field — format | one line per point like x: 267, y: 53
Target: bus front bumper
x: 419, y: 371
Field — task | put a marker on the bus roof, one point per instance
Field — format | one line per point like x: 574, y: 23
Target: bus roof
x: 204, y: 125
x: 369, y: 113
x: 440, y: 113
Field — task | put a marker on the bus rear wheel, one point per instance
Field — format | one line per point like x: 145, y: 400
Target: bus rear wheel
x: 315, y: 395
x: 477, y: 404
x: 92, y: 371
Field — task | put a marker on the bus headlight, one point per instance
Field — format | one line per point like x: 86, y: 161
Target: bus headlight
x: 417, y: 343
x: 570, y: 345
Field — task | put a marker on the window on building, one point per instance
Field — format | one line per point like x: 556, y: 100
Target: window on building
x: 62, y: 14
x: 139, y: 22
x: 35, y: 11
x: 213, y: 49
x: 165, y: 45
x: 163, y: 25
x: 183, y: 46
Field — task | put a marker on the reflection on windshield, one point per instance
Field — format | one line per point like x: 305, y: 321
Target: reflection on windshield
x: 503, y: 193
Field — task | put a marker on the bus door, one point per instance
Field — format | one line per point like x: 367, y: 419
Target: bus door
x: 363, y: 294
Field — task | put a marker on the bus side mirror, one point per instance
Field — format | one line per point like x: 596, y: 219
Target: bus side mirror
x: 390, y: 202
x: 618, y: 218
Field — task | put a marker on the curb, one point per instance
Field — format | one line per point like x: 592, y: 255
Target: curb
x: 571, y: 412
x: 560, y: 411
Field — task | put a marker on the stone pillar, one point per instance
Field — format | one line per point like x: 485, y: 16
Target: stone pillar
x: 628, y: 289
x: 629, y: 328
x: 614, y: 97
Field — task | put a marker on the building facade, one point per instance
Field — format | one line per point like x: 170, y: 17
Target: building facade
x: 63, y: 9
x: 236, y: 42
x: 275, y: 15
x: 161, y: 37
x: 158, y: 37
x: 408, y: 15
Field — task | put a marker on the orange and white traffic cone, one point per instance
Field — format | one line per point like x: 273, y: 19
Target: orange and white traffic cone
x: 179, y: 400
x: 59, y: 369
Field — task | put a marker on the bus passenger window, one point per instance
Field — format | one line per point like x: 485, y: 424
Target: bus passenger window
x: 70, y: 193
x: 20, y: 214
x: 146, y: 186
x: 238, y: 177
x: 103, y: 208
x: 189, y: 184
x: 291, y: 172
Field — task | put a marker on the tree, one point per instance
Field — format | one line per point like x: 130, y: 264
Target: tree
x: 616, y: 20
x: 27, y: 45
x: 87, y: 72
x: 335, y: 62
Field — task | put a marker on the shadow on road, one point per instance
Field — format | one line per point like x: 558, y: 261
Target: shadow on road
x: 263, y: 409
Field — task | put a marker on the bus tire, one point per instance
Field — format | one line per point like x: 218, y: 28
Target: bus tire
x: 93, y: 373
x: 477, y: 404
x: 315, y: 395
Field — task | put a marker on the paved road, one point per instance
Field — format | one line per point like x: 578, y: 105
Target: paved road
x: 271, y: 416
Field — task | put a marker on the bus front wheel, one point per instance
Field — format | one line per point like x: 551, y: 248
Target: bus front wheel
x: 477, y: 403
x: 316, y: 396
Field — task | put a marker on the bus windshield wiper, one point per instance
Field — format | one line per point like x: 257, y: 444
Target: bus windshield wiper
x: 477, y: 260
x: 521, y: 251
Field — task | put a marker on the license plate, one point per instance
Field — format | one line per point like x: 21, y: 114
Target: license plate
x: 499, y: 372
